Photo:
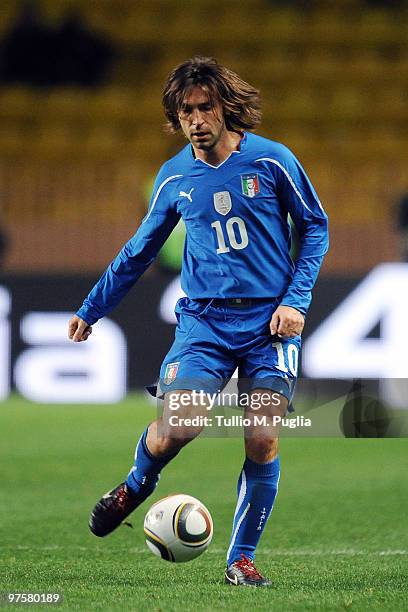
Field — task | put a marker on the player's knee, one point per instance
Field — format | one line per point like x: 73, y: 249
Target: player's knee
x: 169, y: 444
x: 182, y: 421
x: 183, y: 434
x: 172, y: 437
x: 261, y: 449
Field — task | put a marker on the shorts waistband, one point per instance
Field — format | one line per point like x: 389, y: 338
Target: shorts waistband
x: 240, y: 302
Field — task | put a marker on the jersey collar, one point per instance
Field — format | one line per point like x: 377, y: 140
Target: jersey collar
x: 242, y: 144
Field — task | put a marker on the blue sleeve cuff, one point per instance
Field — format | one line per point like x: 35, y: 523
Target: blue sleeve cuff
x: 302, y: 310
x: 87, y: 315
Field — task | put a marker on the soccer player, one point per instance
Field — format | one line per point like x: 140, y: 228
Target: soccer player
x: 246, y: 299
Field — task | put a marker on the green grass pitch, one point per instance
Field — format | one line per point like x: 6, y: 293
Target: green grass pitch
x: 336, y: 540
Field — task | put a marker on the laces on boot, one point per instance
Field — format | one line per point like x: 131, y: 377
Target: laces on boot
x: 122, y: 498
x: 246, y: 565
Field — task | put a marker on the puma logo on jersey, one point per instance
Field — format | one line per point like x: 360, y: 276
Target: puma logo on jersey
x: 183, y: 194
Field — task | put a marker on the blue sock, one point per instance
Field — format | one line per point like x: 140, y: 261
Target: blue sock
x: 257, y: 489
x: 144, y: 475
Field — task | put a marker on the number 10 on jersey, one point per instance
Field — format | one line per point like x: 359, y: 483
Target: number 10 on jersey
x: 236, y: 233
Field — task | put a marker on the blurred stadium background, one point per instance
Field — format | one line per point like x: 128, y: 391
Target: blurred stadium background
x: 77, y: 161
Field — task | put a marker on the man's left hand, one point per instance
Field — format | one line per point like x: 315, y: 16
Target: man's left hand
x: 287, y: 322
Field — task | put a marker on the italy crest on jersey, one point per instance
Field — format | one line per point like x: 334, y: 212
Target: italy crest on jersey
x: 171, y: 372
x: 250, y: 185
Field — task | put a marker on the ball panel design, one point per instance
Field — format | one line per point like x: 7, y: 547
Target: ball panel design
x: 157, y: 544
x: 184, y: 553
x: 178, y: 528
x: 188, y: 513
x: 196, y: 522
x: 153, y: 548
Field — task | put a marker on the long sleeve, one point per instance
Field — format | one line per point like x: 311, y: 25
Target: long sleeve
x: 135, y: 256
x: 298, y: 197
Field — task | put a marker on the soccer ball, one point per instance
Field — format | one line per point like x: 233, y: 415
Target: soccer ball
x: 178, y: 528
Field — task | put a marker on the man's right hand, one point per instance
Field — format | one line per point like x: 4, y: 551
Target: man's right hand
x: 78, y: 329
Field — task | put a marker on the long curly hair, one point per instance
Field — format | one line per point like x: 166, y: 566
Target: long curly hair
x: 240, y: 101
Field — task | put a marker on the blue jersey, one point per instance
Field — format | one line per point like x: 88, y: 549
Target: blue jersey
x: 238, y: 236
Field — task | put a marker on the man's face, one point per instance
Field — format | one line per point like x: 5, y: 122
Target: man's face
x: 202, y: 123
